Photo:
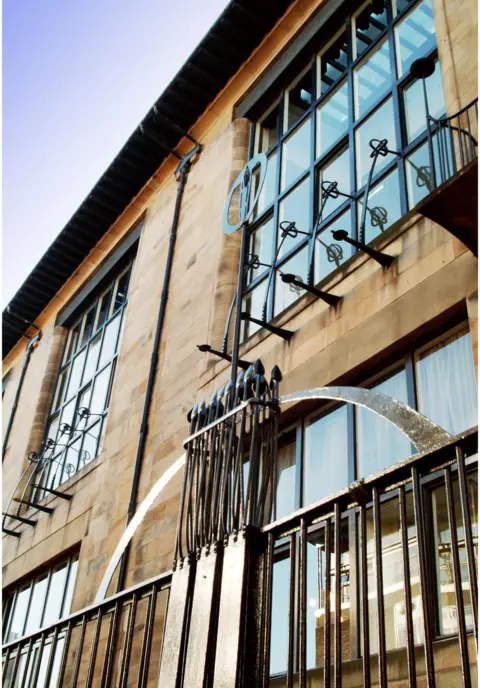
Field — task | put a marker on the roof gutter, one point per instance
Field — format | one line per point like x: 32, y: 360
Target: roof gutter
x: 181, y: 175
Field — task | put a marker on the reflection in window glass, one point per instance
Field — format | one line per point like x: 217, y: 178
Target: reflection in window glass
x: 378, y: 126
x: 296, y: 154
x: 299, y: 99
x: 76, y: 374
x: 383, y: 206
x: 261, y: 242
x: 333, y: 63
x: 88, y: 326
x: 269, y: 188
x: 379, y: 443
x: 446, y: 600
x: 104, y: 308
x: 373, y: 79
x: 36, y: 605
x: 268, y: 130
x: 317, y: 571
x: 253, y: 305
x: 416, y: 116
x: 330, y: 254
x: 59, y: 392
x: 337, y: 170
x: 415, y: 36
x: 332, y: 119
x: 122, y: 287
x: 109, y: 345
x: 286, y: 294
x: 67, y: 604
x: 420, y: 181
x: 280, y: 603
x: 100, y: 389
x: 89, y: 449
x: 55, y: 596
x: 368, y: 25
x: 17, y: 622
x: 286, y: 467
x: 446, y: 382
x: 92, y: 356
x: 326, y: 456
x: 295, y: 208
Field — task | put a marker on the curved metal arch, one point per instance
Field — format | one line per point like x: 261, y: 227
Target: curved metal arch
x: 422, y: 432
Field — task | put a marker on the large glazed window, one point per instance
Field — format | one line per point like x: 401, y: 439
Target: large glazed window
x: 81, y: 399
x: 318, y: 132
x: 41, y: 601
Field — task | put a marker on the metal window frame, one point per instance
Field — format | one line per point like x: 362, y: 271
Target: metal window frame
x: 395, y: 92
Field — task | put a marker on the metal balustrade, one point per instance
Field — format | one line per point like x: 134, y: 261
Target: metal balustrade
x: 348, y: 636
x: 114, y: 643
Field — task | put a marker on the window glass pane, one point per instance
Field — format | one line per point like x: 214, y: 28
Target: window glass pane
x: 378, y: 126
x: 415, y: 114
x: 261, y: 244
x: 88, y: 327
x: 89, y: 449
x: 67, y: 414
x: 60, y: 390
x: 317, y: 571
x: 83, y: 402
x: 326, y: 456
x: 71, y: 461
x: 286, y: 468
x: 379, y: 443
x: 19, y: 614
x: 446, y: 383
x: 53, y: 428
x: 330, y: 254
x: 280, y: 603
x: 104, y: 307
x: 36, y: 605
x: 286, y: 294
x: 383, y: 206
x: 269, y: 188
x: 400, y: 5
x: 373, y: 78
x: 92, y: 356
x: 368, y: 25
x: 122, y: 287
x: 267, y: 130
x: 299, y: 99
x: 67, y: 605
x: 337, y: 170
x: 446, y: 600
x: 72, y: 341
x: 110, y: 338
x: 333, y: 63
x: 253, y: 305
x: 420, y: 181
x: 393, y: 577
x: 42, y: 674
x: 295, y: 208
x: 55, y: 596
x: 100, y: 389
x: 76, y: 374
x: 415, y: 36
x: 332, y: 119
x: 296, y: 154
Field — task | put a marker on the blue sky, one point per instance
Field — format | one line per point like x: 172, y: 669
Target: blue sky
x: 78, y: 76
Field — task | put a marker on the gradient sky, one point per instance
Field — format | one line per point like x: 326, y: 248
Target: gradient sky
x: 78, y: 76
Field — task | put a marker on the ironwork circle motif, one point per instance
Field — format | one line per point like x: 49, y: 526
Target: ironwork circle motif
x: 244, y: 183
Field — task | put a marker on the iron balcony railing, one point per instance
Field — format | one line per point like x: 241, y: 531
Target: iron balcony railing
x: 114, y: 643
x: 369, y: 580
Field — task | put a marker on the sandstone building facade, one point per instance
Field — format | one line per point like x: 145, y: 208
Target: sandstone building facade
x: 101, y: 362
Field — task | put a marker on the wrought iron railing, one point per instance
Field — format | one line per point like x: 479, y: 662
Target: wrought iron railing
x: 114, y: 643
x: 346, y: 623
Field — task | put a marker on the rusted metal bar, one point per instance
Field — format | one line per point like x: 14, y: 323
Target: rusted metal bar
x: 412, y: 677
x: 364, y: 597
x: 110, y: 648
x: 457, y: 580
x: 93, y: 650
x: 422, y: 565
x: 66, y: 646
x: 127, y: 646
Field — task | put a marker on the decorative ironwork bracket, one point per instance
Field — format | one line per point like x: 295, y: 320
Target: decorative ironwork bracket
x: 21, y: 519
x: 279, y: 331
x: 46, y: 509
x: 56, y: 493
x: 383, y: 258
x: 331, y: 299
x: 206, y: 348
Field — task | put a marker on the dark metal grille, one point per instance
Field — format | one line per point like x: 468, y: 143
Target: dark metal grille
x: 356, y: 561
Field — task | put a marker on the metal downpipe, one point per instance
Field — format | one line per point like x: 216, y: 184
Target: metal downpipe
x: 29, y: 350
x: 182, y: 172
